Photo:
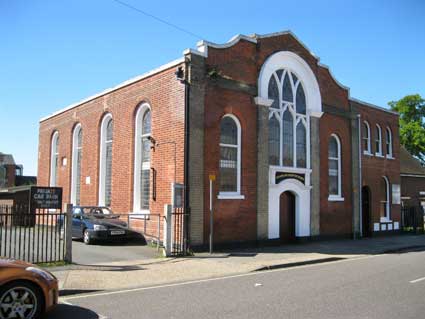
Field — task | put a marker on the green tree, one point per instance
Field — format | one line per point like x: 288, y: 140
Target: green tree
x: 412, y: 125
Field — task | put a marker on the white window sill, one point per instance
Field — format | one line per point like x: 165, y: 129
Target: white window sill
x: 230, y: 196
x: 367, y: 153
x: 335, y: 198
x: 379, y: 155
x: 390, y: 157
x: 141, y: 214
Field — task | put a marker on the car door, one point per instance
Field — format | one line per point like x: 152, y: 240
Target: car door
x: 77, y: 223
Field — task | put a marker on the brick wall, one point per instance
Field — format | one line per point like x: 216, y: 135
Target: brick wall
x: 374, y: 167
x: 166, y: 97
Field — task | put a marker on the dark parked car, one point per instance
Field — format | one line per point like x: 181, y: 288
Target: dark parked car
x: 92, y: 223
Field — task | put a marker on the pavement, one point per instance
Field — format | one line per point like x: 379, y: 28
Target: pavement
x: 390, y: 286
x: 106, y: 252
x: 116, y: 275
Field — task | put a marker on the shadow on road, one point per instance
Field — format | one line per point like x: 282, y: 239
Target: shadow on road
x: 63, y: 311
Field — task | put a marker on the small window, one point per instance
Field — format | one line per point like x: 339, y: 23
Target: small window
x: 366, y: 138
x: 334, y: 163
x: 378, y: 141
x: 389, y: 143
x: 230, y: 156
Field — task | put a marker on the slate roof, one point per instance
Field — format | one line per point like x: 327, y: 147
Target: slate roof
x: 409, y: 164
x: 6, y: 159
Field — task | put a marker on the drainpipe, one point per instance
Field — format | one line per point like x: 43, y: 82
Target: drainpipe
x: 186, y: 150
x: 360, y: 178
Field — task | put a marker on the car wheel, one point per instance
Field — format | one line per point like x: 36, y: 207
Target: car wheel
x: 86, y: 237
x: 20, y: 300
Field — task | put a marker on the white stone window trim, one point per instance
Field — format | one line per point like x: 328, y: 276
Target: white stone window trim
x: 387, y: 217
x: 389, y: 142
x: 237, y: 194
x: 368, y: 151
x: 102, y: 165
x: 337, y: 197
x: 54, y: 158
x: 378, y: 139
x: 143, y: 108
x: 74, y: 175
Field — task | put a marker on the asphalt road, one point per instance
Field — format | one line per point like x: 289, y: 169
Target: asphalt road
x: 385, y: 286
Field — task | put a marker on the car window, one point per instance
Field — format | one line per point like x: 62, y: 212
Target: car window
x: 76, y: 211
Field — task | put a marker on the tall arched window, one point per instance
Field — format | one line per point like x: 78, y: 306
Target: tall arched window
x: 366, y: 138
x: 385, y: 198
x: 389, y: 143
x: 54, y: 160
x: 105, y: 174
x: 142, y: 159
x: 378, y: 141
x: 334, y: 163
x: 289, y: 108
x: 230, y: 157
x: 77, y: 142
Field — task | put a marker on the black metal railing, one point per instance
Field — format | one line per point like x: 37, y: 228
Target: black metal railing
x: 412, y: 219
x: 36, y: 237
x: 179, y: 232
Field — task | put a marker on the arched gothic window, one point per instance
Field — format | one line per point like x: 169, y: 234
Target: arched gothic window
x: 334, y: 163
x: 77, y: 140
x: 230, y: 156
x: 105, y: 174
x: 54, y: 160
x: 289, y: 110
x: 366, y: 138
x: 142, y: 159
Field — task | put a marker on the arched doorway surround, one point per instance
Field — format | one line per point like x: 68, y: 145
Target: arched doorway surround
x: 302, y: 207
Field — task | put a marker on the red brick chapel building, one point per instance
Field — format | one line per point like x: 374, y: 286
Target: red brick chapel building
x: 293, y: 154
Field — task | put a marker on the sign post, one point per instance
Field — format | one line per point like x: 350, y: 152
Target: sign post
x: 212, y: 179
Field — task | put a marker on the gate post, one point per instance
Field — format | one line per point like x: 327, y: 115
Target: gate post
x: 68, y: 233
x: 167, y: 229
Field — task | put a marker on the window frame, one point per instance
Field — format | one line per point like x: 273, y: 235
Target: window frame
x: 297, y: 118
x: 138, y: 155
x: 74, y: 175
x: 378, y: 138
x: 54, y: 159
x: 367, y: 151
x: 237, y: 194
x: 102, y: 165
x: 389, y: 143
x: 336, y: 197
x: 387, y: 216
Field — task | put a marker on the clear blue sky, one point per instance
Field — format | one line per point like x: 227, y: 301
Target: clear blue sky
x: 54, y: 53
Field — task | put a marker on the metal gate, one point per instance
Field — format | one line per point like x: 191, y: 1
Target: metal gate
x: 31, y: 236
x: 412, y: 219
x: 179, y: 232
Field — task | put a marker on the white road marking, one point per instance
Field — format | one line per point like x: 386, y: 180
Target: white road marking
x: 417, y: 280
x: 116, y: 292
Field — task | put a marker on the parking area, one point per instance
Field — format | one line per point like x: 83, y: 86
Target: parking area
x: 106, y: 252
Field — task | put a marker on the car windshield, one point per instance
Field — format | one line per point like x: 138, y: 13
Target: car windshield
x: 102, y: 211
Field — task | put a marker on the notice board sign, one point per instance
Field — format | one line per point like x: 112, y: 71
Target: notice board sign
x: 281, y: 176
x: 396, y: 193
x: 46, y: 197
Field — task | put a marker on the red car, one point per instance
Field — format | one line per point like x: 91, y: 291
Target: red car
x: 26, y: 291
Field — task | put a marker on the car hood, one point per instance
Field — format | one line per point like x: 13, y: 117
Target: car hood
x: 12, y: 263
x: 106, y: 221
